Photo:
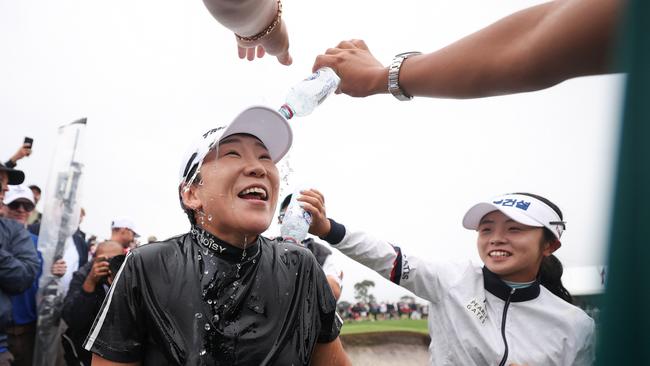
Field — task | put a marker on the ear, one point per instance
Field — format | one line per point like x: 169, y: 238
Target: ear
x: 190, y: 197
x: 551, y: 247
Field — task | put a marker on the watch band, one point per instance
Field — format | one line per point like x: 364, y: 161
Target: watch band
x: 393, y: 75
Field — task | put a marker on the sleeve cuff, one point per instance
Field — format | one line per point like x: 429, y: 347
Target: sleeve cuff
x: 336, y: 234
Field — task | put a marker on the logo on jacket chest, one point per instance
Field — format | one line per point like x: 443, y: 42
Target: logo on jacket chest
x: 479, y: 309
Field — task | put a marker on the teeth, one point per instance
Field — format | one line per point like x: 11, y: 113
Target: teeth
x: 499, y: 253
x: 259, y: 190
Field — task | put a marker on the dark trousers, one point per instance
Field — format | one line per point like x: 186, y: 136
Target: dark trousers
x: 21, y: 343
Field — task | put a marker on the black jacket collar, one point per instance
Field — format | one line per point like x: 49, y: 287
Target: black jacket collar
x: 222, y: 248
x: 500, y: 289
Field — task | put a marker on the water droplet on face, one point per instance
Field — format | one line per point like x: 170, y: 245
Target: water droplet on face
x: 206, y: 326
x: 209, y: 302
x: 209, y: 217
x: 205, y: 251
x: 198, y: 257
x: 215, y: 318
x: 198, y: 315
x: 206, y: 272
x: 202, y: 353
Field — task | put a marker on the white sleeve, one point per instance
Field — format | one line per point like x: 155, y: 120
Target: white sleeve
x: 331, y: 269
x: 425, y: 279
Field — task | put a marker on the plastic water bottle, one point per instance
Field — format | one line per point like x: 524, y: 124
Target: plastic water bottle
x: 305, y: 96
x: 296, y: 221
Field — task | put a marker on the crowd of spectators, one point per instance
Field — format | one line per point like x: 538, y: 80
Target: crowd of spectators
x: 373, y: 311
x: 85, y: 271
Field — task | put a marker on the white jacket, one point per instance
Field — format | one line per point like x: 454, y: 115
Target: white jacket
x: 469, y: 305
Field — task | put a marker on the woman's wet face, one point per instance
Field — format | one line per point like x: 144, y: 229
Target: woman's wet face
x: 238, y: 189
x: 512, y: 250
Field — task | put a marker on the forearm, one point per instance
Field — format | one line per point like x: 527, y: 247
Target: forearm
x: 243, y: 17
x: 532, y: 49
x: 373, y: 253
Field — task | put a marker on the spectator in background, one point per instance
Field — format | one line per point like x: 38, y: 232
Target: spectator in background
x: 323, y: 256
x: 92, y: 246
x: 19, y: 262
x: 24, y: 150
x: 19, y: 202
x: 87, y: 291
x: 151, y: 239
x: 35, y: 216
x: 123, y: 231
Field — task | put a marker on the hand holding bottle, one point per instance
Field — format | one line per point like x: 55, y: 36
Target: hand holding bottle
x: 313, y: 202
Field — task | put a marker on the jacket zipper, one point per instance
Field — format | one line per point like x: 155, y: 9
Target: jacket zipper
x: 503, y: 328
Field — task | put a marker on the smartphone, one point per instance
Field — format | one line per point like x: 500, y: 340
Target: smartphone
x: 115, y: 263
x: 28, y: 141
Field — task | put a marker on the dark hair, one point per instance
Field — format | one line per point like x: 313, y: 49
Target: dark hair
x: 188, y: 211
x: 551, y: 269
x: 285, y: 202
x: 36, y: 188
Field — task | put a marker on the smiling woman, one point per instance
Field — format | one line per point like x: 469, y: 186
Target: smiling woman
x: 222, y: 294
x: 485, y: 316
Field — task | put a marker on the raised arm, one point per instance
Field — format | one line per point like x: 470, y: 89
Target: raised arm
x: 257, y: 24
x: 529, y: 50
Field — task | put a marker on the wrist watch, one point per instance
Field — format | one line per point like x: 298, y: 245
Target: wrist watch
x: 393, y: 75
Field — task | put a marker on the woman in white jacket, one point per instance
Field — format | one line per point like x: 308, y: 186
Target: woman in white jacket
x: 513, y: 310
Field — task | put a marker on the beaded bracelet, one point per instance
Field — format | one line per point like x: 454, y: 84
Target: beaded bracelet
x: 267, y: 30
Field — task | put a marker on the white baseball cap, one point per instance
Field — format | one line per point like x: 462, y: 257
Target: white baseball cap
x: 126, y: 223
x: 266, y: 124
x: 17, y: 192
x: 522, y: 208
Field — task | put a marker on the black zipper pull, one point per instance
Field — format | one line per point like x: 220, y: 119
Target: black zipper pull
x: 503, y: 327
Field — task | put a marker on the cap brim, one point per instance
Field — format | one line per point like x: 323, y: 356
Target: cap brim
x: 473, y: 217
x: 14, y: 176
x: 267, y: 125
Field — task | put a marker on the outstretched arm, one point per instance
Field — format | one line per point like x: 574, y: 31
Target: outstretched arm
x: 529, y: 50
x: 249, y: 19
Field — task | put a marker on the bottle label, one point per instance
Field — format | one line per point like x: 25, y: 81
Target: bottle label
x: 313, y: 76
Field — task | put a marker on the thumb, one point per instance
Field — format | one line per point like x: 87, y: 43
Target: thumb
x: 285, y: 58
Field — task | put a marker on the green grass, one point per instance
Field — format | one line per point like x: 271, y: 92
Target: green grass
x: 419, y: 326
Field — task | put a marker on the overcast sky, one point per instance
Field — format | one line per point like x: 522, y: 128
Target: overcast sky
x: 150, y: 76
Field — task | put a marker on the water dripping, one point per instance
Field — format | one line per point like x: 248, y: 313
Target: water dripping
x: 206, y: 326
x: 209, y: 217
x: 202, y: 353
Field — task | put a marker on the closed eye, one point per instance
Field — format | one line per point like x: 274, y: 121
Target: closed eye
x: 231, y: 153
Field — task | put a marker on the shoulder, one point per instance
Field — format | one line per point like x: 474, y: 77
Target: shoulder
x: 572, y: 314
x: 9, y: 226
x: 12, y: 233
x: 278, y: 247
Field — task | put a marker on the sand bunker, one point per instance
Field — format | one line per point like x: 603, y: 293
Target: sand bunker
x: 387, y: 348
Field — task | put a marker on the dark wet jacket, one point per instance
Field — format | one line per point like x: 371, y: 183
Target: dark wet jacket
x: 196, y: 300
x: 79, y: 311
x: 19, y: 264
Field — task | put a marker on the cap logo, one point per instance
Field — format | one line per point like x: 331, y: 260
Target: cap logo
x: 511, y: 202
x: 210, y: 132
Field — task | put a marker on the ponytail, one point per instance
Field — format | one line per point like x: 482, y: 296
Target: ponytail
x: 550, y: 276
